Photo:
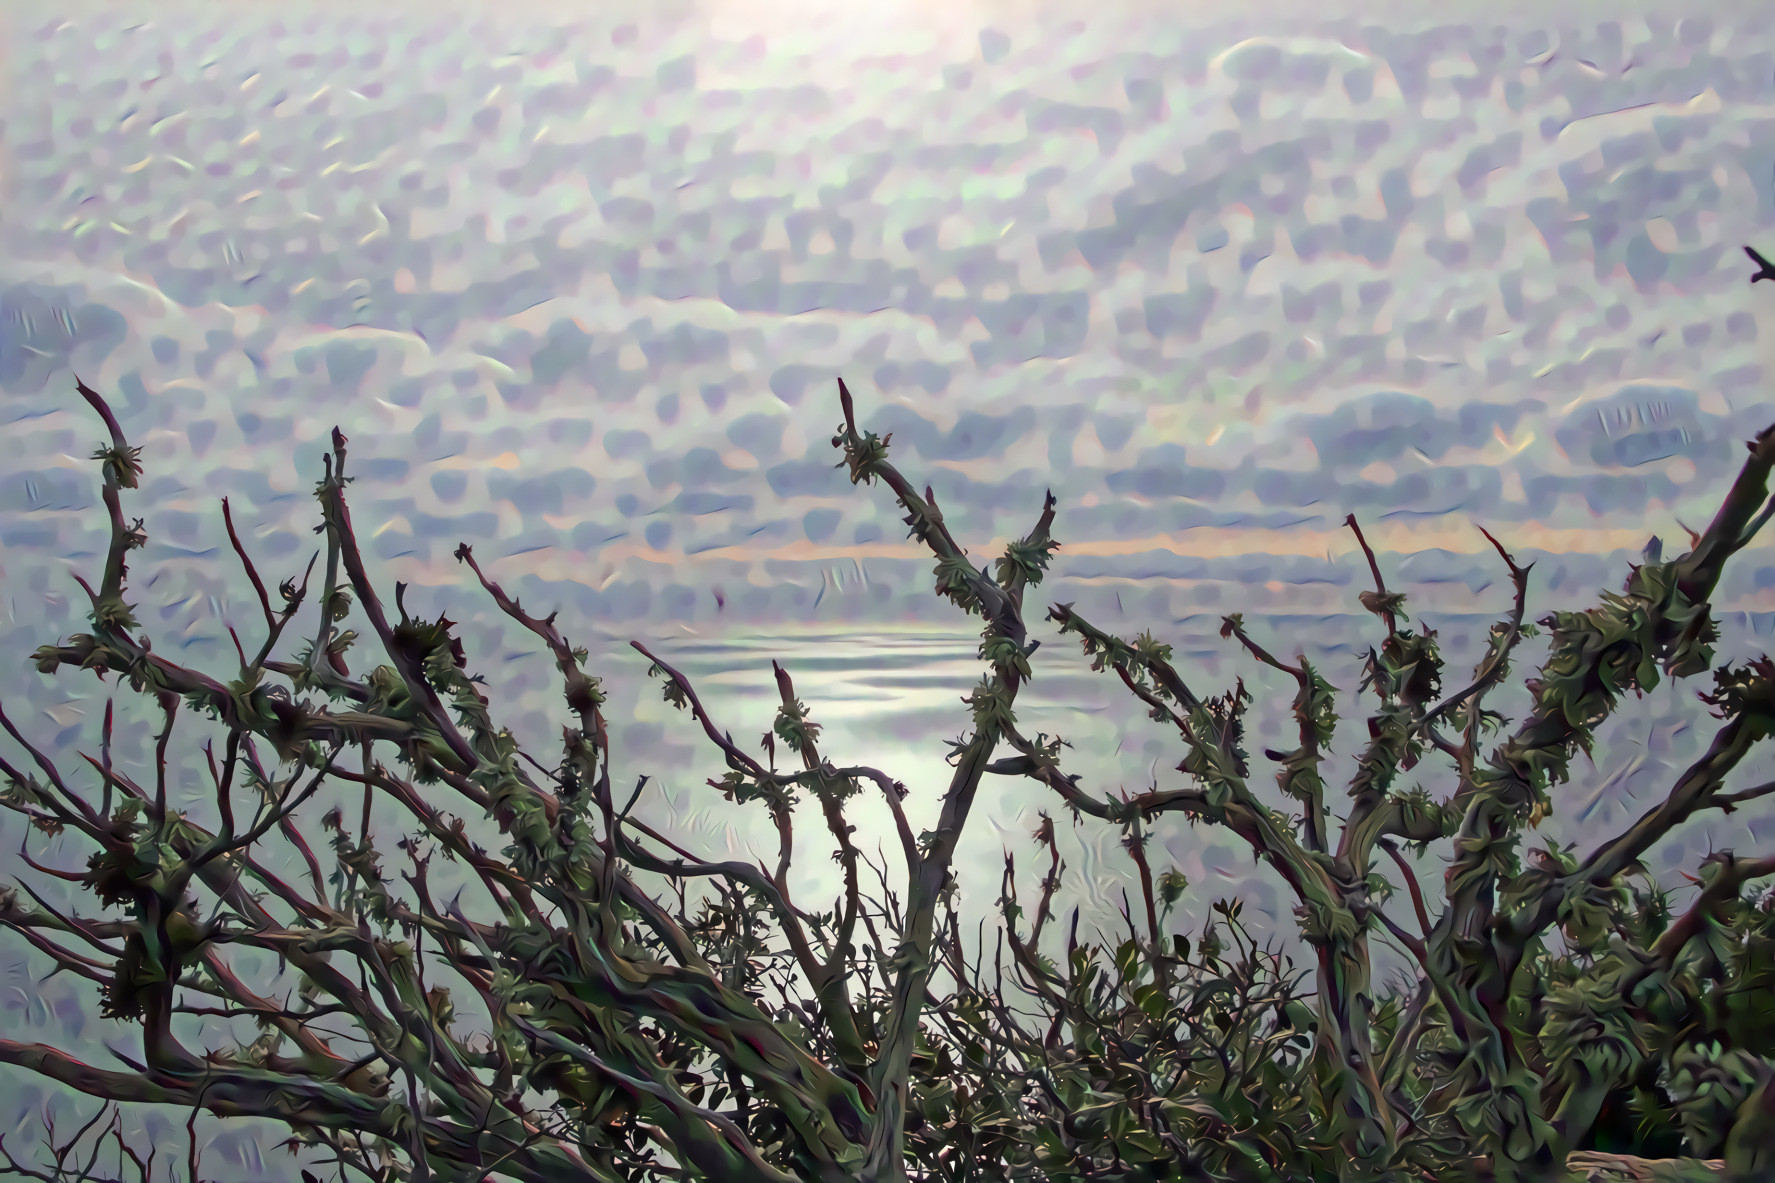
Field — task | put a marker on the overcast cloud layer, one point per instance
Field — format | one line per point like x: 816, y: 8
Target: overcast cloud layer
x: 578, y: 294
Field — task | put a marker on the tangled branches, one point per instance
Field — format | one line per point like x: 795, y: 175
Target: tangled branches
x: 553, y: 1019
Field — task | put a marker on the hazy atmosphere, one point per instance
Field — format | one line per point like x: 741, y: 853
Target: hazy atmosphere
x: 578, y: 293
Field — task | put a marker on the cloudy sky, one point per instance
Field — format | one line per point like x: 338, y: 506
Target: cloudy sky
x: 578, y: 293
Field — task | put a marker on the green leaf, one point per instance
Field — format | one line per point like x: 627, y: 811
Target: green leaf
x: 1127, y: 960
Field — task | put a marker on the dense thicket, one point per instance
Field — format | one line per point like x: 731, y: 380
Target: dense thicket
x: 643, y: 1011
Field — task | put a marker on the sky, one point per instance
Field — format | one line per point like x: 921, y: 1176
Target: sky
x: 578, y: 292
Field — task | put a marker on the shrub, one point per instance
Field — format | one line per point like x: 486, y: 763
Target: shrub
x: 744, y: 1038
